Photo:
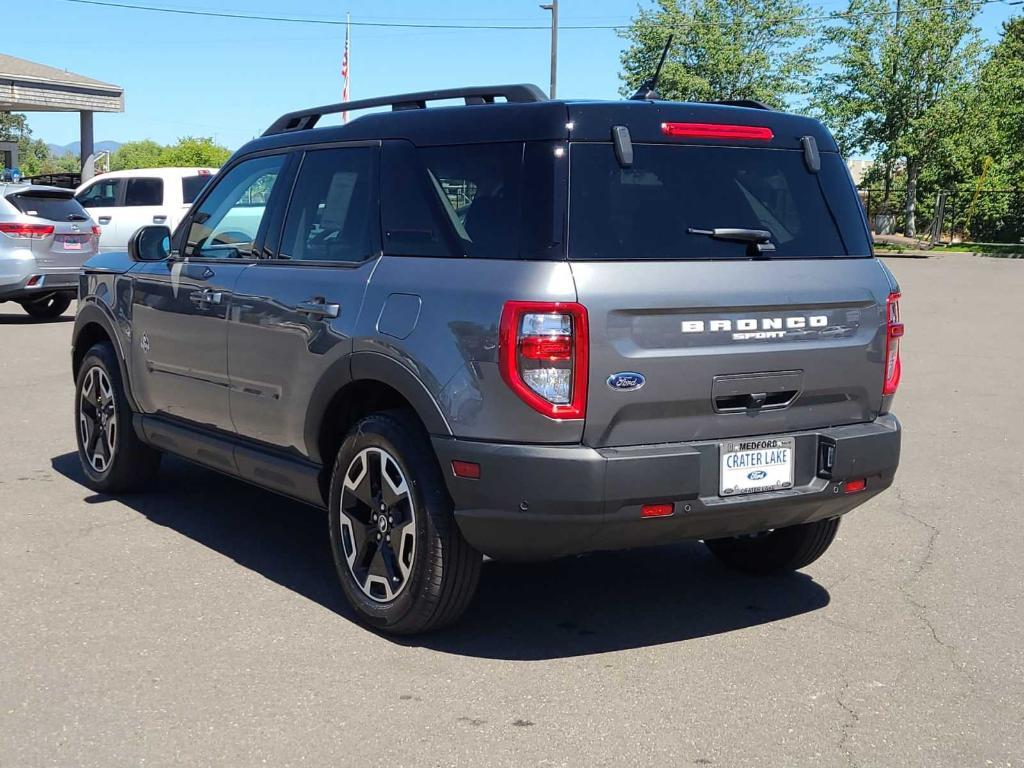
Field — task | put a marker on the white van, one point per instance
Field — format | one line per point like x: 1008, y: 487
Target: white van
x: 122, y: 201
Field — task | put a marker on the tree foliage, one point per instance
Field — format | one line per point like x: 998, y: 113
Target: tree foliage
x: 187, y: 152
x: 723, y: 49
x: 898, y: 88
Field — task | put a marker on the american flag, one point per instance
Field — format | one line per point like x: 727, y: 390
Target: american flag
x: 344, y: 70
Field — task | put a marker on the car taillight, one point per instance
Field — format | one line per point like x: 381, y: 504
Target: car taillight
x: 717, y: 131
x: 893, y: 333
x: 31, y: 231
x: 97, y: 230
x: 543, y: 356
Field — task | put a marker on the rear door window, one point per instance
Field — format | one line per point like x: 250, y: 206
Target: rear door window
x: 55, y: 207
x: 144, y: 191
x: 100, y: 194
x: 648, y: 211
x: 334, y: 213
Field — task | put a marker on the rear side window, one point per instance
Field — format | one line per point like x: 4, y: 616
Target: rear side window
x: 191, y: 186
x: 100, y: 194
x: 647, y: 211
x: 144, y: 192
x: 334, y: 213
x: 56, y: 207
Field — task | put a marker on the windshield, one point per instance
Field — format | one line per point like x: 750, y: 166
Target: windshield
x: 665, y: 204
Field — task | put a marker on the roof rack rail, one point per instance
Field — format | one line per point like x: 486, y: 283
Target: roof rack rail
x: 521, y: 93
x: 744, y: 103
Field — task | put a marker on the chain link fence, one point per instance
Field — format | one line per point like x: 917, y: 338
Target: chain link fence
x: 963, y: 215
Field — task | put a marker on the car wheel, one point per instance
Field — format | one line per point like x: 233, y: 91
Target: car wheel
x: 777, y: 551
x: 398, y: 551
x: 113, y: 458
x: 48, y: 307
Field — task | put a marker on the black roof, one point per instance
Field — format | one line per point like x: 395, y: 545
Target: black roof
x: 527, y: 116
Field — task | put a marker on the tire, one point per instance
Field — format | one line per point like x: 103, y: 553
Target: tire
x: 778, y: 551
x: 412, y: 571
x: 113, y: 458
x: 49, y: 307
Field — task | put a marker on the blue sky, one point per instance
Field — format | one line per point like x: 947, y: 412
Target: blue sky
x: 230, y: 78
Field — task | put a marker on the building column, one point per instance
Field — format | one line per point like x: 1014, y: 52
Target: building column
x: 85, y: 122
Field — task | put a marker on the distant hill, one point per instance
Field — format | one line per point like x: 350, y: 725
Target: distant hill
x: 56, y: 150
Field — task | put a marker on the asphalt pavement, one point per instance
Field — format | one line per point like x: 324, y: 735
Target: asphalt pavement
x: 201, y: 624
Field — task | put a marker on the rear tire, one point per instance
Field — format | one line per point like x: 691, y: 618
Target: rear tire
x: 398, y: 551
x: 49, y: 307
x: 113, y: 458
x: 778, y: 551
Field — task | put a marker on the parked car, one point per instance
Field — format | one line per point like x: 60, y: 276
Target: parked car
x: 123, y: 201
x: 519, y: 328
x: 45, y: 237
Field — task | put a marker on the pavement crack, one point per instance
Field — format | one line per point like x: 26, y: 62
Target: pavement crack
x: 846, y: 729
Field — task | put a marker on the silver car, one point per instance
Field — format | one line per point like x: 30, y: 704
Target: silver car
x: 45, y: 237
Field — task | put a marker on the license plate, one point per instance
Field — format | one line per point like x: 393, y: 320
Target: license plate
x: 756, y: 465
x: 72, y: 245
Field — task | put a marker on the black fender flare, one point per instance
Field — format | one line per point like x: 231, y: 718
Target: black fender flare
x: 91, y: 312
x: 372, y: 366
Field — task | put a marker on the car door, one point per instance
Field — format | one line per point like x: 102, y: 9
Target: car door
x: 101, y: 199
x: 142, y: 204
x: 180, y: 306
x: 293, y: 315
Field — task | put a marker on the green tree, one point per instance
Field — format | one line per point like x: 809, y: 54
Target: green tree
x: 193, y: 152
x: 33, y: 154
x: 723, y: 49
x: 1001, y: 100
x: 137, y: 154
x: 898, y: 84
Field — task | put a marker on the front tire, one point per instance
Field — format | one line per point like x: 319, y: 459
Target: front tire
x: 398, y: 551
x: 113, y: 458
x: 777, y: 551
x: 49, y: 307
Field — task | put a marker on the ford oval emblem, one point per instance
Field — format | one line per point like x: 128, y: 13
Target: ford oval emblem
x: 626, y: 381
x: 757, y: 474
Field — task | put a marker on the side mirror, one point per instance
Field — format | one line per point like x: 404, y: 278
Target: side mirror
x: 151, y: 243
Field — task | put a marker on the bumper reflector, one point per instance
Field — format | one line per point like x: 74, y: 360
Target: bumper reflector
x: 466, y: 469
x: 855, y: 486
x: 34, y: 281
x: 656, y: 510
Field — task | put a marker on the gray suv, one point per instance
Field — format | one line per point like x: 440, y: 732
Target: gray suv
x: 516, y: 327
x: 45, y: 238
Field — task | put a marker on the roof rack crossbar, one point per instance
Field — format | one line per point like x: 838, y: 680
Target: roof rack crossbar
x: 303, y: 119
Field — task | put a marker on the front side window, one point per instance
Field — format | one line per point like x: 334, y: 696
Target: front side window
x: 334, y: 211
x: 144, y: 192
x: 101, y: 194
x: 227, y: 223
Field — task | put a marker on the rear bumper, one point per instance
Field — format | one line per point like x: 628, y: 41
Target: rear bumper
x: 40, y: 283
x: 537, y: 501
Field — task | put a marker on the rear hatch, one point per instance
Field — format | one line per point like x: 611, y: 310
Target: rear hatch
x: 68, y: 239
x: 702, y: 336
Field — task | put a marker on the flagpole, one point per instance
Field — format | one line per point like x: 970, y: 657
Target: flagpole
x: 346, y: 66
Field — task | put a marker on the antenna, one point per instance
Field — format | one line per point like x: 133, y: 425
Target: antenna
x: 649, y: 88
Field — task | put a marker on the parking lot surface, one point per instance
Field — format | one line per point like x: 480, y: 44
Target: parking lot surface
x: 201, y: 624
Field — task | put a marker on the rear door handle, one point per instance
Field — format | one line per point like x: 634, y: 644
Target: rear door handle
x: 104, y: 219
x: 319, y: 307
x: 159, y: 219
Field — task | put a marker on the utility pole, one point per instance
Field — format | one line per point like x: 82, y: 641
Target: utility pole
x: 553, y: 7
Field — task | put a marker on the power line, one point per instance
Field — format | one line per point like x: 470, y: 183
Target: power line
x: 839, y: 16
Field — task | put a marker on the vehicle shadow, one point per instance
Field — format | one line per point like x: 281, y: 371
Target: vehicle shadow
x: 570, y: 607
x: 12, y: 319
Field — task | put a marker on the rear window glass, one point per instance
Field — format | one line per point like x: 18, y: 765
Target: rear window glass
x: 646, y: 211
x: 51, y: 207
x: 191, y: 186
x: 144, y: 192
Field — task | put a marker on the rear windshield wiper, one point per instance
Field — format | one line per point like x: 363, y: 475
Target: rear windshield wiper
x: 77, y: 217
x: 759, y: 241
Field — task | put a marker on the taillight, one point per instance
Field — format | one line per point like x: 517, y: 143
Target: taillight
x: 893, y: 333
x: 97, y: 230
x: 717, y: 131
x: 543, y: 355
x: 31, y: 231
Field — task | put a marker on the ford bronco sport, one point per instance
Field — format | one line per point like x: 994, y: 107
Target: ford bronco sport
x: 512, y: 327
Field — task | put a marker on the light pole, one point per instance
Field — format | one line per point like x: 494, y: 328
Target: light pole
x: 553, y: 7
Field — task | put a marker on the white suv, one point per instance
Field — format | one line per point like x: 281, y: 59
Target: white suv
x: 123, y: 201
